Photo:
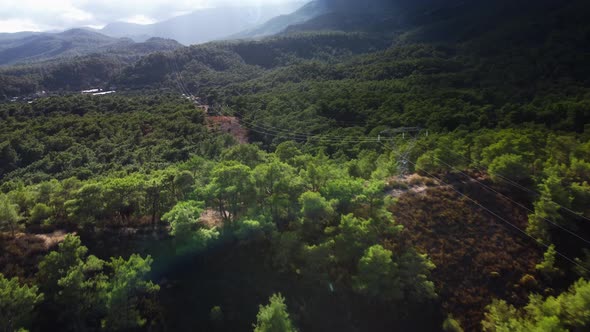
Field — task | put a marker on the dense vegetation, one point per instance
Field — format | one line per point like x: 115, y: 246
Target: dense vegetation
x: 72, y: 61
x: 331, y: 219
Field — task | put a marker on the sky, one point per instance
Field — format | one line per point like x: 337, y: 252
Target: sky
x: 48, y: 15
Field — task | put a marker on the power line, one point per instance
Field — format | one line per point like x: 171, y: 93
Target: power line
x: 294, y: 134
x: 301, y: 135
x: 493, y: 213
x: 274, y: 131
x: 178, y: 78
x: 513, y: 201
x: 266, y: 132
x: 519, y: 186
x: 271, y: 132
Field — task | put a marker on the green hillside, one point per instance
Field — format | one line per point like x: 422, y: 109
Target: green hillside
x: 411, y: 165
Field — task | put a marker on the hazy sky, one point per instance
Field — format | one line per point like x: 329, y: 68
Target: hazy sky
x: 43, y: 15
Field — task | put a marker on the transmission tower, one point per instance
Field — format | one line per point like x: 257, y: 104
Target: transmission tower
x: 399, y: 135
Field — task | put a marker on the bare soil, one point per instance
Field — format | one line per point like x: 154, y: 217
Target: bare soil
x: 230, y: 125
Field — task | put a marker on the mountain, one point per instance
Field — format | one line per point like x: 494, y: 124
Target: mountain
x: 485, y: 28
x: 362, y: 226
x: 46, y: 46
x: 345, y: 15
x: 371, y: 15
x: 280, y: 23
x: 28, y: 47
x: 201, y: 26
x: 16, y: 35
x: 126, y: 30
x: 432, y: 20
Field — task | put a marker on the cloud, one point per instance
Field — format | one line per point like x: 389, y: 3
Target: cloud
x: 140, y: 19
x: 16, y: 25
x: 40, y: 15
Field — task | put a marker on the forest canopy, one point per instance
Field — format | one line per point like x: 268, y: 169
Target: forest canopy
x: 419, y: 172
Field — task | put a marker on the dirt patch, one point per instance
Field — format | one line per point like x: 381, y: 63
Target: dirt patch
x: 410, y: 184
x: 412, y: 190
x: 211, y: 218
x: 230, y: 125
x: 19, y: 255
x: 53, y: 239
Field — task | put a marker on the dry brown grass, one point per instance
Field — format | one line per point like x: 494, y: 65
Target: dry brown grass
x: 478, y: 257
x: 19, y: 255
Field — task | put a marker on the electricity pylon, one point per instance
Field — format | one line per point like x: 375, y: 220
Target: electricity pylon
x: 399, y: 135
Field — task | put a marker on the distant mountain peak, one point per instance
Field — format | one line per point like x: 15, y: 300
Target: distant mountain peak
x: 202, y: 25
x: 281, y: 23
x: 29, y: 48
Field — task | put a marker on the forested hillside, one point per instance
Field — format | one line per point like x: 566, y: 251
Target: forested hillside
x: 76, y: 73
x: 418, y: 166
x: 75, y: 42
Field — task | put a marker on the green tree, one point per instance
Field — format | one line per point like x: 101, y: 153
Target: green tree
x: 123, y: 197
x: 56, y: 264
x: 581, y: 196
x: 17, y: 303
x: 568, y: 311
x: 9, y: 159
x: 88, y: 206
x: 509, y: 165
x: 216, y: 314
x: 40, y: 214
x: 24, y: 197
x: 537, y: 221
x: 286, y: 247
x: 317, y: 172
x: 247, y: 230
x: 583, y: 265
x: 124, y: 292
x: 65, y: 277
x: 554, y: 189
x: 344, y: 191
x: 86, y: 291
x: 230, y: 190
x: 9, y: 218
x: 379, y: 276
x: 315, y: 207
x: 452, y: 325
x: 274, y: 316
x: 247, y: 154
x: 372, y: 198
x: 277, y: 186
x: 317, y: 213
x: 203, y: 238
x: 354, y: 236
x: 183, y: 183
x: 287, y: 152
x: 430, y: 162
x: 547, y: 266
x: 184, y: 225
x: 183, y: 218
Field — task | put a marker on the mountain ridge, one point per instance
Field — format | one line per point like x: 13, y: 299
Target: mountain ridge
x: 202, y: 25
x: 74, y: 42
x: 280, y: 23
